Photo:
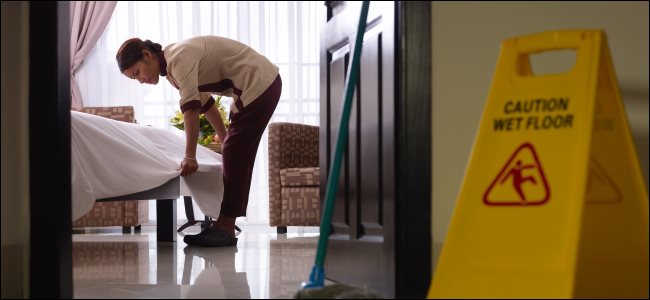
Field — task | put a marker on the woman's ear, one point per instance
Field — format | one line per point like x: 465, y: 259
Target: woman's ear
x: 147, y: 54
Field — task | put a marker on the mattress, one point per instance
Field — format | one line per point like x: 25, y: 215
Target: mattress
x: 112, y: 158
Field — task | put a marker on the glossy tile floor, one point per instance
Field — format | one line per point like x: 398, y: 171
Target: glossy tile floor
x: 109, y: 264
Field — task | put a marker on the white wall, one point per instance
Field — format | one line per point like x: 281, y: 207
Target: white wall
x: 466, y: 39
x: 15, y: 150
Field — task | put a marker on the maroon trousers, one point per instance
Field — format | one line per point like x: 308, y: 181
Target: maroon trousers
x: 240, y: 147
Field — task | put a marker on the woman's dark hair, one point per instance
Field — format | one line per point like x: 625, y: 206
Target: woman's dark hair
x: 131, y: 52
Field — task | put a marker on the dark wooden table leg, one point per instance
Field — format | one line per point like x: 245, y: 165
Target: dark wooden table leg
x: 166, y: 218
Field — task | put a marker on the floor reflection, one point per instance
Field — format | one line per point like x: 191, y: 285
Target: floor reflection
x: 264, y: 265
x: 111, y: 262
x: 291, y: 262
x: 217, y: 277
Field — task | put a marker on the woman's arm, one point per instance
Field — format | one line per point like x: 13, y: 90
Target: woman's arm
x: 214, y: 117
x: 189, y: 164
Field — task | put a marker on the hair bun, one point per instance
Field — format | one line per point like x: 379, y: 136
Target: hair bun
x: 153, y: 46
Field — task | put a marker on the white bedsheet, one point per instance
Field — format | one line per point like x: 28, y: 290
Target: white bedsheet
x: 112, y: 158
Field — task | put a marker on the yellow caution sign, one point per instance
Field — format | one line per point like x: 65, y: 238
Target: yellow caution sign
x: 553, y: 203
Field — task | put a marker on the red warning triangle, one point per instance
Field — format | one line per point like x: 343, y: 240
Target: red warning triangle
x: 521, y: 181
x: 601, y: 189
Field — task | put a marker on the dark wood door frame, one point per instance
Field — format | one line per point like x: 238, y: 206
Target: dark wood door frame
x: 390, y: 124
x: 50, y: 271
x: 413, y: 168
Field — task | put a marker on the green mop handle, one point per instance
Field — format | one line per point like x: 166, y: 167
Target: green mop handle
x: 342, y: 138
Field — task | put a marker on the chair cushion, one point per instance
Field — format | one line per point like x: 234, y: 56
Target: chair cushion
x: 300, y: 176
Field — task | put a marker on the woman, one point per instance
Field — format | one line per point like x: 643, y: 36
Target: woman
x: 206, y: 65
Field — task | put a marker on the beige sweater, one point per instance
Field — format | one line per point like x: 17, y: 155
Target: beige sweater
x: 206, y: 65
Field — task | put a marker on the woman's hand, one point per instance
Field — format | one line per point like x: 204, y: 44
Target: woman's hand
x: 188, y: 166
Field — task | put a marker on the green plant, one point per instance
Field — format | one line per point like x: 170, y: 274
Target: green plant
x: 206, y: 131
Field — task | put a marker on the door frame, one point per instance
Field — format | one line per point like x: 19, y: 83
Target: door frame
x: 413, y: 89
x: 50, y: 257
x: 407, y: 191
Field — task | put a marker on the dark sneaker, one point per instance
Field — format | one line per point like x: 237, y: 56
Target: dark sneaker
x: 211, y: 237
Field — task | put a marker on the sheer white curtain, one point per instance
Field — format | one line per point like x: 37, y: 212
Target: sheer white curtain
x: 285, y: 32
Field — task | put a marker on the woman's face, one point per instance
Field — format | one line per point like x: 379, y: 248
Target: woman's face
x: 145, y: 70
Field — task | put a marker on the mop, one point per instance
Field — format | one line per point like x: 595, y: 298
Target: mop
x: 314, y: 288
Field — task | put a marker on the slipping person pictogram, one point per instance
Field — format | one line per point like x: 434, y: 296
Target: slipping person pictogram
x: 518, y: 179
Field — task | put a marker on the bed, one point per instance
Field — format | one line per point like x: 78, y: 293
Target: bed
x: 113, y: 161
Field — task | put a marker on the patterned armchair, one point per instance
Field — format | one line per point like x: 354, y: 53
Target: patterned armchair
x: 115, y: 213
x: 294, y: 176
